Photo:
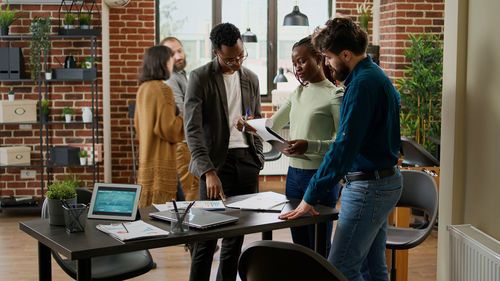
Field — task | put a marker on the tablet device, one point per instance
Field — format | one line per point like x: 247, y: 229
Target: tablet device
x: 114, y: 201
x: 199, y: 219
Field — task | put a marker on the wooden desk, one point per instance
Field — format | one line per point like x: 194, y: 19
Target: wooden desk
x: 83, y: 246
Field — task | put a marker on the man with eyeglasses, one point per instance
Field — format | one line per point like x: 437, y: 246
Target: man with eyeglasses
x: 226, y: 160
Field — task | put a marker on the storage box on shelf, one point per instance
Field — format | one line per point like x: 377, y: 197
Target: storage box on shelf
x: 19, y: 111
x: 15, y: 155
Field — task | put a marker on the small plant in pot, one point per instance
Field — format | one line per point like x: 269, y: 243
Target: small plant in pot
x: 58, y: 191
x: 68, y: 112
x: 7, y: 17
x: 48, y: 73
x: 45, y: 110
x: 11, y: 95
x: 83, y: 157
x: 84, y: 21
x: 39, y: 45
x: 69, y: 21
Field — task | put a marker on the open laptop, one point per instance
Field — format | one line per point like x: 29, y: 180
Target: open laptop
x: 199, y: 219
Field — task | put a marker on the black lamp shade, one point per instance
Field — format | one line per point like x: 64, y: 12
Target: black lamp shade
x: 280, y: 77
x: 296, y: 18
x: 249, y: 36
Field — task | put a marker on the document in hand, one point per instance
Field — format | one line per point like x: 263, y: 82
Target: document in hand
x: 209, y: 205
x: 263, y: 201
x: 263, y: 128
x: 132, y: 230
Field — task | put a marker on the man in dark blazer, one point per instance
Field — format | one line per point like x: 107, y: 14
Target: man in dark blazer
x: 226, y: 160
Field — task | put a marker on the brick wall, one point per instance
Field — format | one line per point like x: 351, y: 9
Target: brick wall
x: 131, y: 32
x: 60, y: 94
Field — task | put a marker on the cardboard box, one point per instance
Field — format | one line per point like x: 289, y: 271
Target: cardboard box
x: 19, y: 111
x: 15, y: 155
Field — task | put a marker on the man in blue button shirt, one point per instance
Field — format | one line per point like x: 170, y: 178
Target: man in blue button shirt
x: 365, y: 152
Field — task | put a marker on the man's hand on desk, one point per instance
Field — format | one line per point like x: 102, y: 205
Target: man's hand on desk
x: 214, y: 186
x: 299, y: 211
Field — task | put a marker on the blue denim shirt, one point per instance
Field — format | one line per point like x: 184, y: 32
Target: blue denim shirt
x: 368, y: 137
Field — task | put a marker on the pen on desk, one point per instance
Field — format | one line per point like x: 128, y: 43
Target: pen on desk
x: 246, y: 118
x: 124, y: 227
x: 176, y: 211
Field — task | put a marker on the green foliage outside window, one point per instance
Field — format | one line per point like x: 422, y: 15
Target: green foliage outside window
x: 421, y: 90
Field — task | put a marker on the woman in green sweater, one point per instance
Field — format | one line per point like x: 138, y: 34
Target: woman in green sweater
x: 313, y: 111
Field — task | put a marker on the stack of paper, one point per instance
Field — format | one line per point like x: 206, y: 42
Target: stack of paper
x: 264, y: 201
x: 209, y: 205
x: 132, y: 230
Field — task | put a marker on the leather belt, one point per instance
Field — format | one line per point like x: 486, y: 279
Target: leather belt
x: 370, y: 175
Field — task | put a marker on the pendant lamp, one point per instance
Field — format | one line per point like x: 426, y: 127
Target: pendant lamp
x: 296, y: 17
x: 280, y: 77
x: 249, y: 36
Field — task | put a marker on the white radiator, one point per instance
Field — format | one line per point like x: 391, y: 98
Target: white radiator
x: 474, y: 255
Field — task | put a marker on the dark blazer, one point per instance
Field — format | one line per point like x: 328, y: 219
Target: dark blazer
x: 206, y: 115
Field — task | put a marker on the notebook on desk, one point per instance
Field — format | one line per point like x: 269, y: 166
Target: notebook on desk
x: 198, y: 218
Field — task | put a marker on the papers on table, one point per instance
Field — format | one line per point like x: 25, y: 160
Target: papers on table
x: 132, y: 230
x: 209, y: 205
x: 264, y: 201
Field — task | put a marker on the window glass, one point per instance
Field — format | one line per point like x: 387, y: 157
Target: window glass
x: 253, y: 14
x: 191, y: 26
x: 317, y: 13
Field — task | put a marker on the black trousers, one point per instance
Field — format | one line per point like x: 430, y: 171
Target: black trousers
x: 239, y: 175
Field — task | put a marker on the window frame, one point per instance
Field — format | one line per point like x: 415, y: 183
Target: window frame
x: 272, y: 36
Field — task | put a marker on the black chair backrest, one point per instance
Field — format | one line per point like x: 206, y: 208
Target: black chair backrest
x: 416, y: 155
x: 272, y: 260
x: 83, y: 195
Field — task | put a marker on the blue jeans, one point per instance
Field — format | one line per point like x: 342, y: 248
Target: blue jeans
x: 297, y: 181
x: 362, y: 227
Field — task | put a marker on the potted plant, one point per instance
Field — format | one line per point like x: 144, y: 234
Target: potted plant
x: 83, y: 157
x: 58, y: 191
x: 45, y: 110
x: 84, y: 21
x: 11, y: 95
x: 69, y: 21
x: 364, y: 12
x: 68, y: 112
x: 421, y: 89
x: 48, y: 73
x: 7, y: 17
x: 39, y: 45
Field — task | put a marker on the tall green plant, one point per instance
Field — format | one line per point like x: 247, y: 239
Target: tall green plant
x: 39, y: 45
x: 421, y: 89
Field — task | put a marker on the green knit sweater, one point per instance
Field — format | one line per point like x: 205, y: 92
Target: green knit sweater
x: 313, y: 112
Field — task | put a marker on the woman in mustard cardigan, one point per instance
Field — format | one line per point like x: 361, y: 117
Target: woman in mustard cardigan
x: 159, y: 128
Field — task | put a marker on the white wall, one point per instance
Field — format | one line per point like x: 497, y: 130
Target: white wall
x: 469, y: 182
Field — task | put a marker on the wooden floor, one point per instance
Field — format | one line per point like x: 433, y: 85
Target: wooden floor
x: 18, y: 255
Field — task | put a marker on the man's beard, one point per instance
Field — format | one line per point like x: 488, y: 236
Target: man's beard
x: 180, y: 66
x: 341, y: 72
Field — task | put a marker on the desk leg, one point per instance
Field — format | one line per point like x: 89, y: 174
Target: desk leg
x: 83, y: 270
x: 44, y: 263
x: 320, y: 239
x: 268, y: 235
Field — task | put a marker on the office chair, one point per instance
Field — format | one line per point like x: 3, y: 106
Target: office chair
x: 269, y: 260
x: 415, y: 155
x: 419, y: 192
x: 106, y: 268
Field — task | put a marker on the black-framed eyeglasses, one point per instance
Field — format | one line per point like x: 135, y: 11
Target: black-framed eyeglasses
x: 236, y: 60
